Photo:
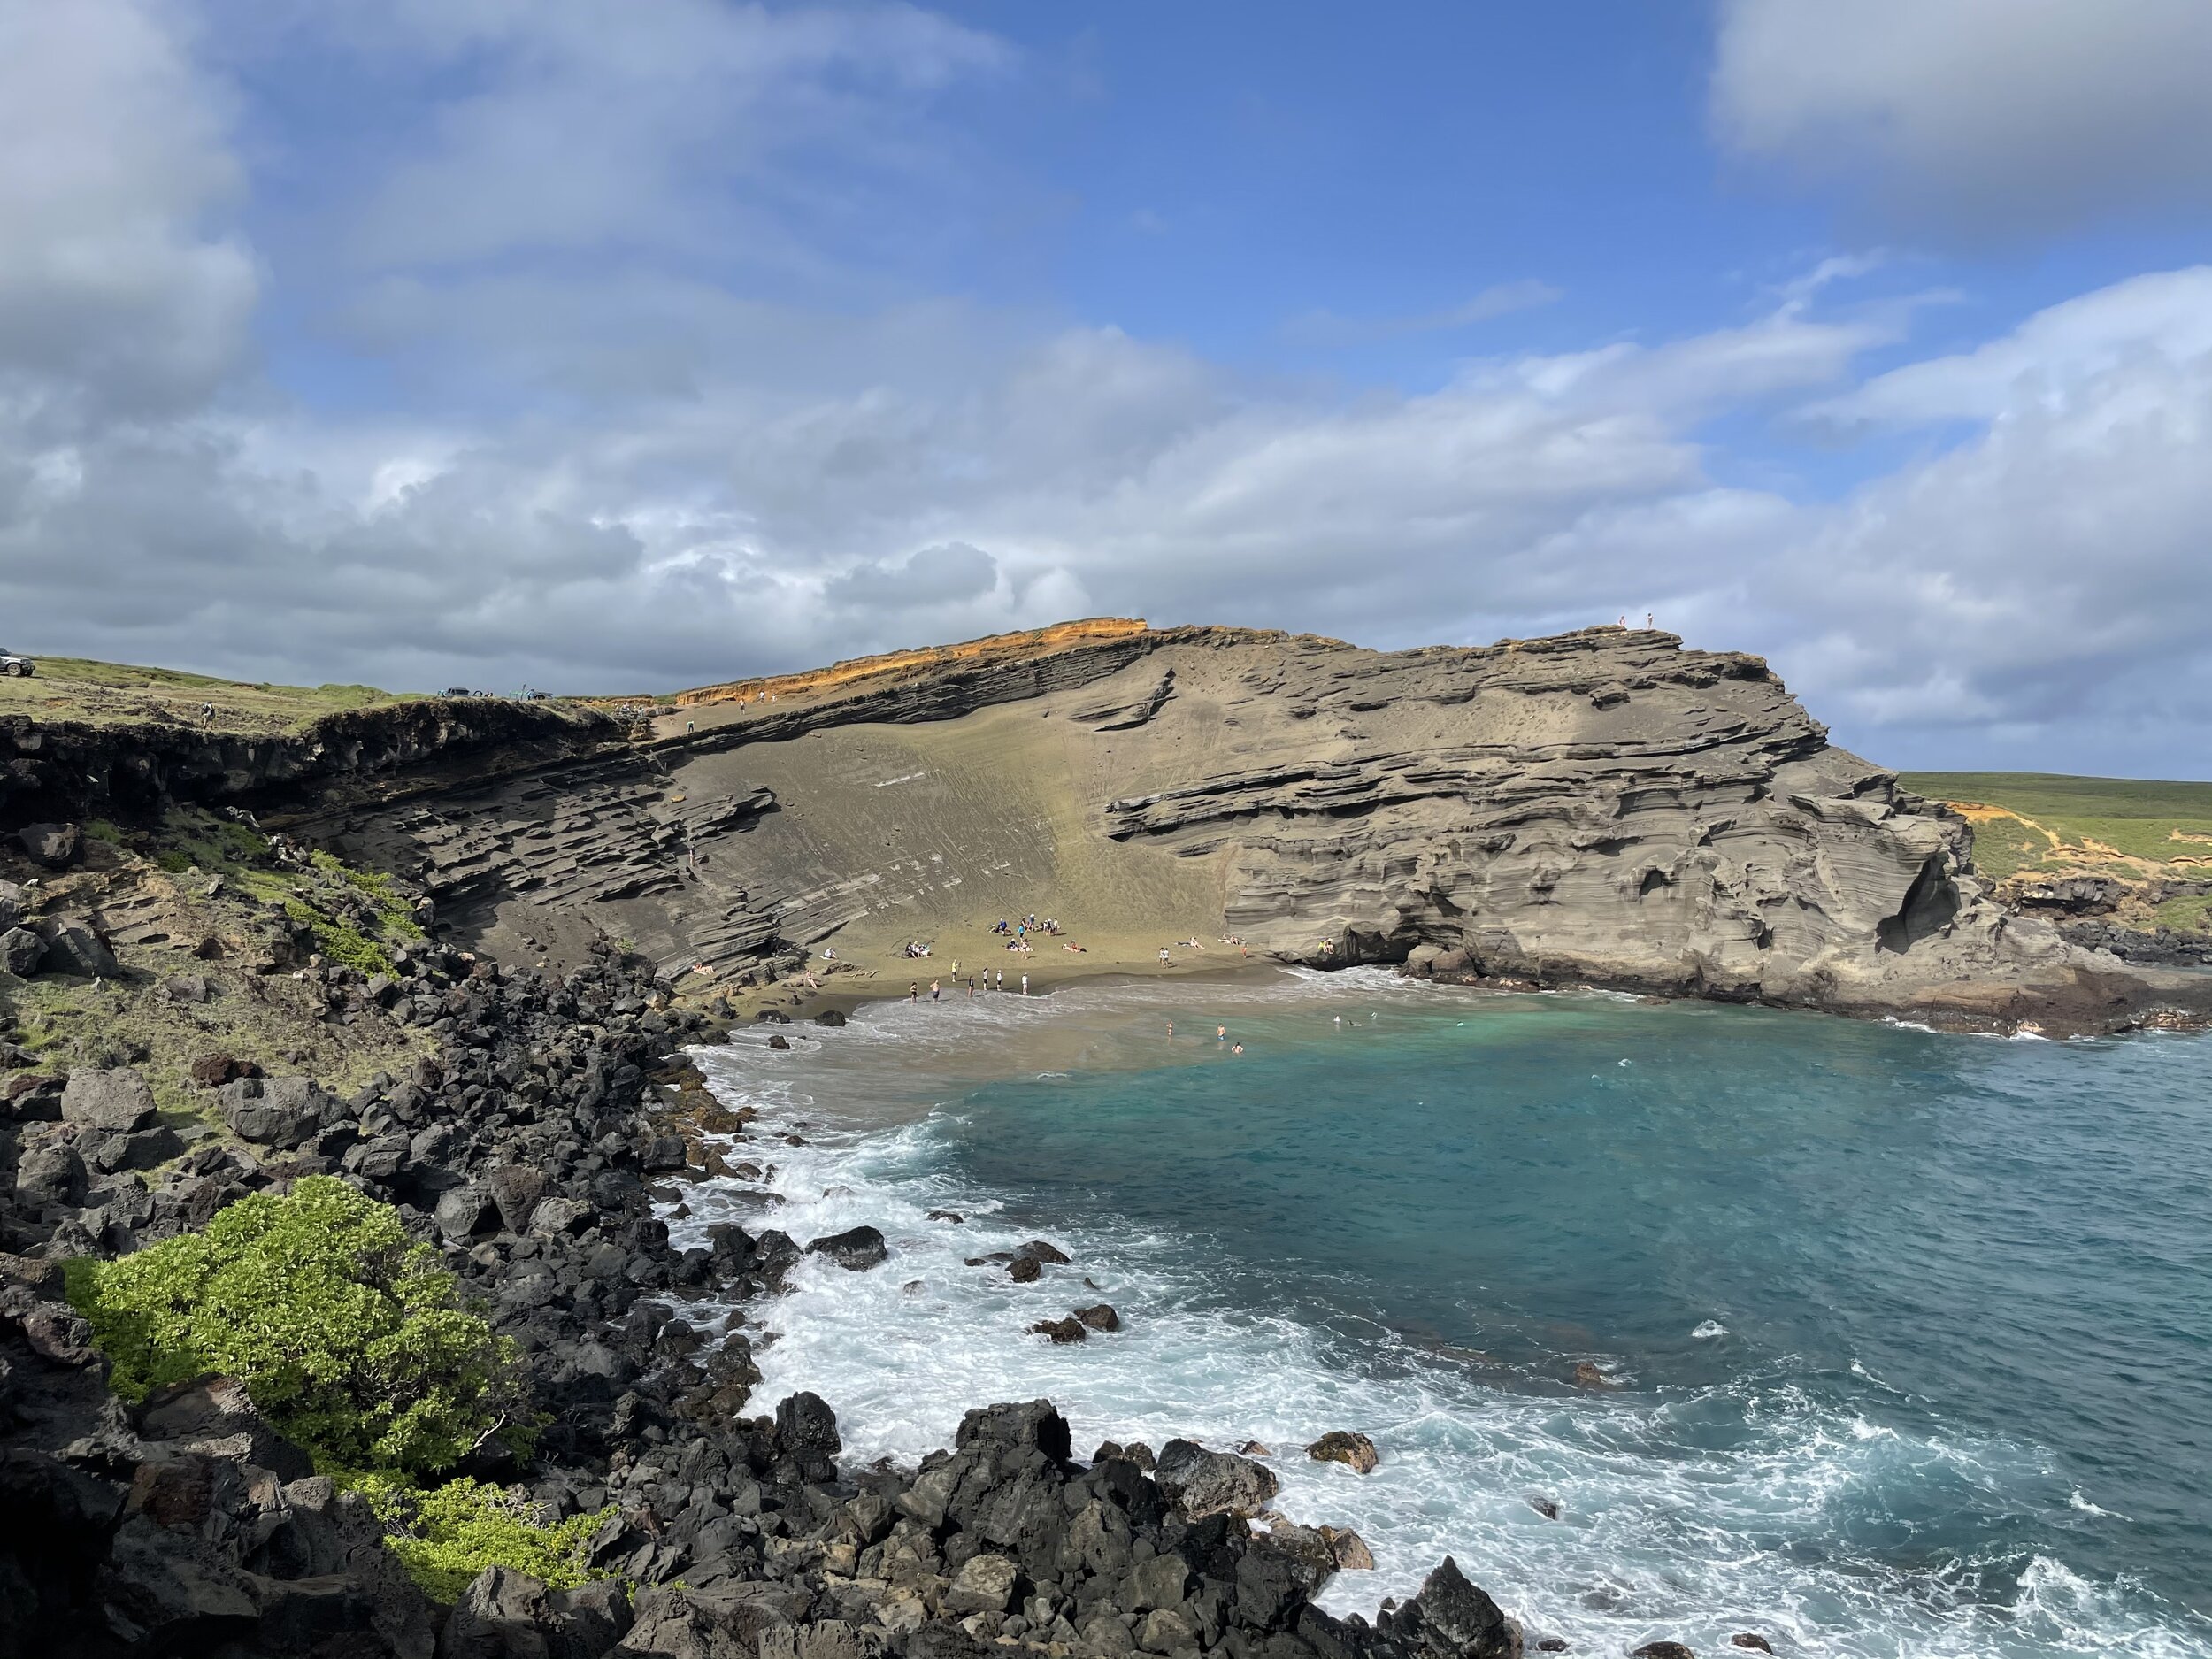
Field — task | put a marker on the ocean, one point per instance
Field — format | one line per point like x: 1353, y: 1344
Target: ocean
x: 1905, y: 1339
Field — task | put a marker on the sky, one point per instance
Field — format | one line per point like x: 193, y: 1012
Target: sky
x: 629, y: 344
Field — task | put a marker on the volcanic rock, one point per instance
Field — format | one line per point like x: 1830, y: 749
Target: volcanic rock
x: 1355, y: 1451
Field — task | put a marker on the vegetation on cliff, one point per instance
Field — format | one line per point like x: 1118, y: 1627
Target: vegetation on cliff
x: 349, y: 1335
x: 120, y: 694
x: 2153, y: 837
x: 351, y: 1340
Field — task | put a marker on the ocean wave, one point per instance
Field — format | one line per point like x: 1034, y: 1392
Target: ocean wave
x: 1688, y: 1515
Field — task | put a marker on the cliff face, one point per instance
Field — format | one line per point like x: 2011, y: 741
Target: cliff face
x: 1602, y: 806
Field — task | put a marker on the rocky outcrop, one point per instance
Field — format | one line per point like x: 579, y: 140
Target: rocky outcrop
x: 522, y: 1150
x: 1601, y: 807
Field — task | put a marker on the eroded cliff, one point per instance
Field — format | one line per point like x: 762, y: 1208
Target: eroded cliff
x: 1602, y: 806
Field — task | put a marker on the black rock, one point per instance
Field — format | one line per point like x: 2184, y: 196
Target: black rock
x: 1036, y: 1422
x: 52, y: 846
x: 1453, y: 1619
x: 118, y: 1102
x: 829, y: 1017
x: 855, y: 1248
x: 276, y: 1111
x: 72, y: 947
x: 21, y: 951
x: 804, y: 1422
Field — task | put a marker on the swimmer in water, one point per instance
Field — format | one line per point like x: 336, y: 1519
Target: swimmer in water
x: 1171, y: 1028
x: 1221, y: 1033
x: 1236, y: 1048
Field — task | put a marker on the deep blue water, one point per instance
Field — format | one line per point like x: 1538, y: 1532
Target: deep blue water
x: 1909, y: 1336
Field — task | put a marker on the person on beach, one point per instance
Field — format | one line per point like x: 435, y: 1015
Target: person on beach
x: 935, y: 995
x: 1221, y: 1033
x: 1171, y: 1028
x: 972, y: 987
x: 1164, y: 956
x: 1025, y: 985
x: 913, y: 990
x: 1002, y: 980
x: 1236, y: 1048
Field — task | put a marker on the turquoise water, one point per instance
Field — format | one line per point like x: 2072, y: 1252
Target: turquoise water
x: 1908, y: 1337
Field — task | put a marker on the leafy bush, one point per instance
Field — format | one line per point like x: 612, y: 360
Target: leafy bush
x: 349, y: 1336
x: 452, y: 1533
x: 340, y: 941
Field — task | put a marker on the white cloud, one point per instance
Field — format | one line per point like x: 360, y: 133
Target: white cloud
x: 643, y: 472
x: 2048, y: 575
x: 117, y: 299
x: 1973, y: 116
x: 2163, y: 316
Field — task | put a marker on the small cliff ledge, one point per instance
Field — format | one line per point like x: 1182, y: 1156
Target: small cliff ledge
x: 1599, y: 807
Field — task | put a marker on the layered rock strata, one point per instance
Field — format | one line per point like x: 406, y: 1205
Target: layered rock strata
x: 1601, y: 807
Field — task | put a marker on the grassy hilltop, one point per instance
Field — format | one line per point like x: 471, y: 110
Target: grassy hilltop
x: 2139, y: 831
x: 118, y: 694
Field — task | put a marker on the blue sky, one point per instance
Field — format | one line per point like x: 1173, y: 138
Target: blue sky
x: 599, y: 344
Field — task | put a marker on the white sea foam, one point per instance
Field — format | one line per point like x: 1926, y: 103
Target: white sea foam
x: 1659, y: 1534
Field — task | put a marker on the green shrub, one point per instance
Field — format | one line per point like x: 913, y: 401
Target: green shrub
x: 340, y: 941
x: 350, y: 1337
x: 451, y: 1533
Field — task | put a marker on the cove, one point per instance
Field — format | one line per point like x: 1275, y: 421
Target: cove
x: 1904, y: 1337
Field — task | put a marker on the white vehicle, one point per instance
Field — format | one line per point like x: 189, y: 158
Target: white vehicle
x: 21, y: 667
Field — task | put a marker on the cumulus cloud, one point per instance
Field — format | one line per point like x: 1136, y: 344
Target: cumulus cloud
x: 2042, y: 584
x: 1974, y: 117
x: 649, y: 471
x: 120, y: 297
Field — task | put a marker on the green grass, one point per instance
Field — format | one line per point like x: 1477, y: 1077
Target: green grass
x: 118, y: 694
x: 2145, y: 820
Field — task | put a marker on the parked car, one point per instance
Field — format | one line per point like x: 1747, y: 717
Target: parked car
x: 21, y: 667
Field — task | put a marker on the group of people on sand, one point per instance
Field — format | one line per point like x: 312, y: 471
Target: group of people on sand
x: 936, y: 986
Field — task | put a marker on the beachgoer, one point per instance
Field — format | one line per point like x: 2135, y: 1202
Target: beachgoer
x: 956, y: 967
x: 1002, y: 980
x: 1646, y: 618
x: 934, y: 993
x: 1236, y: 1048
x: 1221, y: 1033
x: 913, y: 990
x: 1025, y: 985
x: 1164, y: 956
x: 1171, y: 1028
x: 972, y: 987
